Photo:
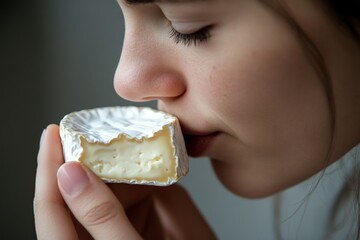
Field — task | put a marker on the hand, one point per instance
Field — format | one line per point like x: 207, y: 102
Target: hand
x: 72, y: 203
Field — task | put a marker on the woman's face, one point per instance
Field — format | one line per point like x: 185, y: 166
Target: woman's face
x: 236, y: 76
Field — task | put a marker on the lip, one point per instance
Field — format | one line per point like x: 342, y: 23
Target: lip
x: 197, y: 144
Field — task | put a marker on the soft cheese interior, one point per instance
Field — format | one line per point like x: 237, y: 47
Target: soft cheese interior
x: 151, y: 159
x: 126, y: 144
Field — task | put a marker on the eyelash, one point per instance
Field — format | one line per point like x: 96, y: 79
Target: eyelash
x: 189, y: 39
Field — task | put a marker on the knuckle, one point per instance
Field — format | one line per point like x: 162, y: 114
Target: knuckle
x: 100, y: 213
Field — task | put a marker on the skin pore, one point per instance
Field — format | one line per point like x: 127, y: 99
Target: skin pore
x: 238, y: 75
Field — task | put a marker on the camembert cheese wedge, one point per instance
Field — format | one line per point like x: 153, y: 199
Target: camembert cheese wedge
x: 126, y: 144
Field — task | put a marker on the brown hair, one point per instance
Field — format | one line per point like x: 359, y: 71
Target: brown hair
x: 347, y: 14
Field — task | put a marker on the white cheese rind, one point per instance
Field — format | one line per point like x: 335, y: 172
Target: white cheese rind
x: 126, y: 144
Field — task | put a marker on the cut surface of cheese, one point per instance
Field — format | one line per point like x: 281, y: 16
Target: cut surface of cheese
x: 126, y: 144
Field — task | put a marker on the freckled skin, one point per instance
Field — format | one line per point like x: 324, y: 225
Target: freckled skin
x: 252, y: 82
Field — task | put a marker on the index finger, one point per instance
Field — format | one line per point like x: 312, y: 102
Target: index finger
x: 130, y: 195
x: 52, y: 218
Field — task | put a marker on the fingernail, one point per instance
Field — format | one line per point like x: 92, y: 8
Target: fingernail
x: 42, y: 136
x: 72, y: 178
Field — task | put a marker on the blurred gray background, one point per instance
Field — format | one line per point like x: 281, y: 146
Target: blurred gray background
x: 60, y: 56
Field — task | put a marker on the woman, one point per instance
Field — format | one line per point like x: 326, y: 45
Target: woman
x: 274, y: 86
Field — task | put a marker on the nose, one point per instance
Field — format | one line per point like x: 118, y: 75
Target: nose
x: 147, y: 70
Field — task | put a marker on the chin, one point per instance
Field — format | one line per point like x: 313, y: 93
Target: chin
x: 247, y: 190
x: 244, y: 185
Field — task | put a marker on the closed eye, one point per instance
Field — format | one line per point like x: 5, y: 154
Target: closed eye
x: 189, y: 39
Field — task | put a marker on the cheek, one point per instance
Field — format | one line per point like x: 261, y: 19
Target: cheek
x: 279, y: 122
x: 274, y: 107
x: 262, y: 92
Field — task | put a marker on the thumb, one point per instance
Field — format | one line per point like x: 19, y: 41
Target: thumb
x: 93, y: 203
